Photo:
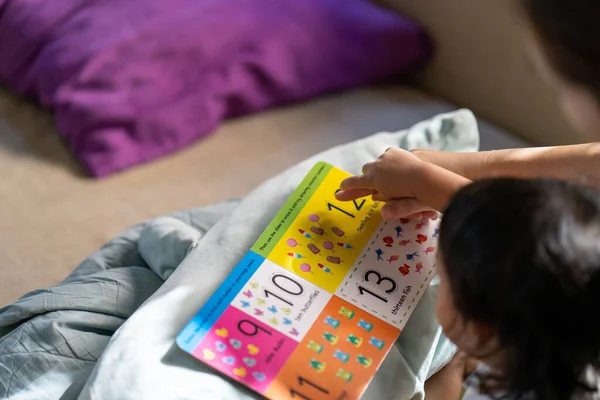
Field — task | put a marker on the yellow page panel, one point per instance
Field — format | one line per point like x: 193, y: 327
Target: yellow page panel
x: 327, y: 236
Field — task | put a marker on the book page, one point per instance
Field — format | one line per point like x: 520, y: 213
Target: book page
x: 314, y: 307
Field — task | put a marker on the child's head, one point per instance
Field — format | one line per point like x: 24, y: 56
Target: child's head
x: 519, y: 264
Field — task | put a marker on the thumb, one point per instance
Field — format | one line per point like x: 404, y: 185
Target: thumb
x: 403, y: 207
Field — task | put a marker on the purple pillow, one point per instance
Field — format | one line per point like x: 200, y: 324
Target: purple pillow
x: 132, y: 80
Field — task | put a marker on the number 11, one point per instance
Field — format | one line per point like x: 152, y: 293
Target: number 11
x: 302, y: 381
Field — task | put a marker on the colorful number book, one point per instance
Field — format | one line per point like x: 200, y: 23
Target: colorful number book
x: 316, y: 304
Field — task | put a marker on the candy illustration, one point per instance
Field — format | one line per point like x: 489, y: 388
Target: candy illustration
x: 304, y: 233
x: 412, y: 256
x: 338, y: 231
x: 241, y: 372
x: 404, y: 242
x: 220, y: 346
x: 251, y: 362
x: 259, y: 376
x: 399, y: 231
x: 345, y: 375
x: 334, y: 260
x: 404, y: 269
x: 305, y: 267
x: 421, y: 239
x: 388, y: 241
x: 313, y: 249
x: 252, y: 349
x: 236, y: 344
x: 364, y: 361
x: 367, y: 326
x: 346, y: 312
x: 376, y: 342
x: 393, y: 258
x: 355, y: 340
x: 430, y: 249
x: 380, y: 254
x: 222, y: 332
x: 208, y: 355
x: 324, y: 268
x: 344, y: 245
x: 229, y: 360
x: 318, y: 365
x: 330, y: 337
x: 334, y: 323
x: 313, y: 218
x: 316, y: 347
x: 292, y: 242
x: 419, y: 267
x: 317, y: 230
x: 328, y: 246
x: 340, y: 355
x: 294, y: 255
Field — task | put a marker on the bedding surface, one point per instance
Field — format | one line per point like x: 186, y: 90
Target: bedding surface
x: 56, y: 342
x: 53, y: 216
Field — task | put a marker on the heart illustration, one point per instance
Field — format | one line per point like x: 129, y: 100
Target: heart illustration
x: 251, y: 362
x: 221, y: 347
x: 259, y: 376
x: 253, y: 350
x: 241, y: 372
x: 222, y: 332
x: 229, y: 360
x: 208, y: 355
x: 235, y: 343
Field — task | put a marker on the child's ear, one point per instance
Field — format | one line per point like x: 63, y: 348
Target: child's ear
x: 487, y: 340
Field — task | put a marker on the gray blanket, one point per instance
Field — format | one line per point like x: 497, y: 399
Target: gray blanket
x: 84, y: 338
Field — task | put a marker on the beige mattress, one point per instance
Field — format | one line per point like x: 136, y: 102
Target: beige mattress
x: 52, y: 215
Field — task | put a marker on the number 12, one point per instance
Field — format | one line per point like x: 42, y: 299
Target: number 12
x: 357, y: 206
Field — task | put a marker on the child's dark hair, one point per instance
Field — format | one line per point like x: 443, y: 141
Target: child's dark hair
x: 523, y: 258
x: 568, y: 31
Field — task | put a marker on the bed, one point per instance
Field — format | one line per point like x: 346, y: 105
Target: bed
x: 72, y: 324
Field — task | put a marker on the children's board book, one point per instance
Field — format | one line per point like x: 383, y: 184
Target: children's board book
x: 313, y: 308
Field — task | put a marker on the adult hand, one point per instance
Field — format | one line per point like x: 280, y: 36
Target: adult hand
x: 407, y: 208
x: 459, y: 163
x: 393, y: 175
x: 391, y: 178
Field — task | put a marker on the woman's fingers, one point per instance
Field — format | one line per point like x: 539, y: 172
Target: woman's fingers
x: 432, y: 215
x: 379, y: 197
x: 401, y: 208
x: 357, y: 182
x: 353, y: 194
